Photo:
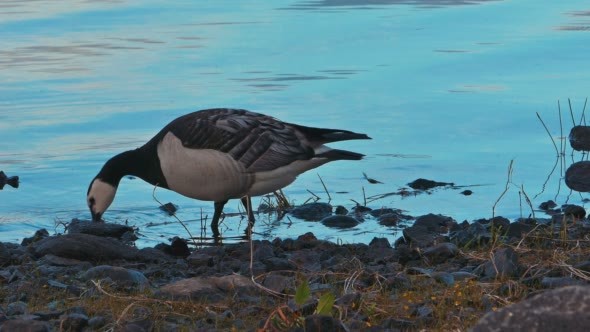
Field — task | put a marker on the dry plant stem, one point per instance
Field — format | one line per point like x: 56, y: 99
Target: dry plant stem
x: 326, y: 189
x: 528, y: 201
x: 549, y: 133
x: 174, y: 215
x: 508, y: 181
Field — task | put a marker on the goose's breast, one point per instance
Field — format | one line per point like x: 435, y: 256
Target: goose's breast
x: 203, y: 174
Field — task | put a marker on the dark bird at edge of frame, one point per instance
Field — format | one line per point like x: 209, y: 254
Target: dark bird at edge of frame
x: 12, y: 181
x: 221, y: 154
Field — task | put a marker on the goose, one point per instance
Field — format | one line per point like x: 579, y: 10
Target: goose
x: 221, y: 154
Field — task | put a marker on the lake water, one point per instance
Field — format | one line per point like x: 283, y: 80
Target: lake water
x: 448, y: 90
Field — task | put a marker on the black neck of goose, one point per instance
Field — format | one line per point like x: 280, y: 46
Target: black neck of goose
x: 138, y: 162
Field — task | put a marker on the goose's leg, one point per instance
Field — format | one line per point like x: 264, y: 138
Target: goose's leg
x: 216, y: 216
x: 247, y: 202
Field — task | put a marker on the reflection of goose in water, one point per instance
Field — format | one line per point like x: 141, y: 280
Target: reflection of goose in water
x: 6, y: 180
x: 221, y: 154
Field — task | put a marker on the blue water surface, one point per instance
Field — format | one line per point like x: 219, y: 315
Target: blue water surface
x: 448, y: 90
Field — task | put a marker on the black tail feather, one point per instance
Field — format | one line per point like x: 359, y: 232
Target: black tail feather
x: 335, y: 154
x: 325, y: 135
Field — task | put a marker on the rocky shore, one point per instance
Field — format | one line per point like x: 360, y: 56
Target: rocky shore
x: 484, y: 275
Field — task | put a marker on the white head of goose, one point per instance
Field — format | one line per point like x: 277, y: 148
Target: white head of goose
x: 221, y: 154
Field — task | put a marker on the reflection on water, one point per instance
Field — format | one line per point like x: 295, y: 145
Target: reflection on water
x: 448, y: 94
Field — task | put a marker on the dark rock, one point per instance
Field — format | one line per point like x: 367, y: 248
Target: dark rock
x: 312, y: 211
x: 399, y: 282
x: 424, y: 184
x: 518, y: 229
x: 277, y: 282
x: 382, y: 211
x: 557, y: 282
x: 462, y: 275
x: 208, y: 288
x: 562, y: 309
x: 16, y: 308
x: 427, y: 230
x: 84, y: 247
x: 548, y: 205
x: 22, y: 325
x: 389, y: 219
x: 169, y: 208
x: 338, y: 221
x: 61, y: 261
x: 443, y: 277
x: 466, y: 192
x: 574, y: 211
x: 178, y: 247
x: 73, y: 322
x: 263, y: 250
x: 423, y: 312
x: 440, y: 253
x: 97, y: 322
x: 122, y: 277
x: 4, y: 255
x: 198, y: 259
x: 340, y: 210
x: 379, y: 242
x: 504, y: 264
x: 579, y: 138
x: 320, y: 323
x: 102, y: 229
x: 279, y: 264
x: 584, y: 266
x: 577, y: 176
x: 39, y: 234
x: 306, y: 259
x: 475, y: 234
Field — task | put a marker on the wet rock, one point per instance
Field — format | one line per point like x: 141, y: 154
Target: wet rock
x: 440, y: 253
x: 573, y: 211
x: 382, y: 211
x: 98, y: 228
x: 122, y: 277
x: 519, y: 229
x: 504, y: 264
x: 14, y: 325
x: 39, y: 234
x: 424, y: 184
x: 169, y: 208
x: 577, y: 176
x: 338, y: 221
x: 61, y: 261
x: 209, y: 288
x: 279, y: 264
x: 466, y: 192
x: 341, y: 210
x: 197, y: 259
x: 84, y: 247
x: 389, y: 219
x: 178, y: 247
x: 548, y: 205
x: 263, y: 250
x: 323, y: 323
x: 379, y: 242
x: 579, y: 138
x: 97, y: 322
x: 562, y: 309
x: 312, y: 211
x: 475, y: 234
x: 426, y: 230
x: 307, y: 260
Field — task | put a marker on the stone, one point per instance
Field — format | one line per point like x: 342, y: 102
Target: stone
x: 504, y: 264
x: 339, y: 221
x: 4, y: 255
x: 577, y: 176
x: 16, y: 308
x: 312, y: 211
x: 444, y: 278
x: 177, y: 248
x: 73, y: 322
x: 379, y: 242
x: 475, y: 234
x: 39, y: 234
x: 323, y: 323
x: 84, y: 247
x: 122, y: 277
x: 277, y: 282
x: 103, y: 229
x: 579, y: 138
x: 557, y: 282
x: 207, y: 288
x: 23, y: 325
x: 562, y: 309
x: 440, y: 253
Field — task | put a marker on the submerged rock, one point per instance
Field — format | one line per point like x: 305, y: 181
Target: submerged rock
x: 338, y: 221
x: 312, y: 211
x: 84, y: 247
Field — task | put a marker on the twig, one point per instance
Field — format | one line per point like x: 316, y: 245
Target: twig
x: 508, y: 181
x: 548, y: 133
x: 326, y: 189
